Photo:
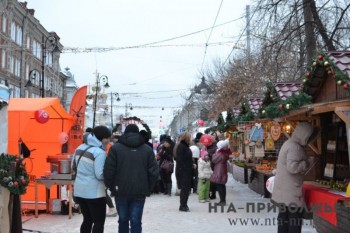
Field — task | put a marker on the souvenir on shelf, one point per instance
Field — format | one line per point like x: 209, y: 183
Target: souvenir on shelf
x: 275, y: 131
x: 269, y: 143
x: 255, y: 147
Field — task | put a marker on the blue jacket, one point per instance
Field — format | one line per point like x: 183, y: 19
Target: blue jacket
x: 89, y: 179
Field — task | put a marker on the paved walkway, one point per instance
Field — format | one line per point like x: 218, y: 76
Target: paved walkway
x: 161, y: 215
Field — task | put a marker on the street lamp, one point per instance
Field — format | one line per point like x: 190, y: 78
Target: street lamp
x: 53, y: 49
x: 32, y: 75
x: 116, y: 95
x: 104, y: 79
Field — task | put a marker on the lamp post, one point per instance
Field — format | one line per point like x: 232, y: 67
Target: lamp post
x: 54, y: 49
x: 102, y: 78
x: 32, y: 75
x: 116, y: 94
x: 126, y: 109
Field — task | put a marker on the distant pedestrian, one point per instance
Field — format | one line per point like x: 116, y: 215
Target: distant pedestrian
x: 166, y: 154
x: 195, y: 157
x: 146, y: 138
x: 130, y: 173
x: 211, y: 151
x: 184, y: 168
x: 89, y: 189
x: 88, y: 131
x: 219, y: 176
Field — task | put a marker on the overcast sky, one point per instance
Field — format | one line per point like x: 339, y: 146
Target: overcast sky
x: 161, y: 74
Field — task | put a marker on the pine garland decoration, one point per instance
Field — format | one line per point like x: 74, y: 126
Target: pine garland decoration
x: 13, y: 174
x: 282, y: 108
x: 322, y: 61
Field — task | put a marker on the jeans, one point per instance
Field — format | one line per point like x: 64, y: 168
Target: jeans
x: 130, y: 210
x: 94, y: 214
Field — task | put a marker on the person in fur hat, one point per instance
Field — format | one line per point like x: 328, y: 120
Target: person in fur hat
x: 219, y: 176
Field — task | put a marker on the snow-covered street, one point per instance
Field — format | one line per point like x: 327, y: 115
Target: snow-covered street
x: 161, y: 214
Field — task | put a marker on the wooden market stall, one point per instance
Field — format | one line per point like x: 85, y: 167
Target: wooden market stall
x: 327, y: 81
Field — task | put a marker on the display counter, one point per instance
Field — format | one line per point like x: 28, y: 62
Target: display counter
x: 331, y: 209
x: 257, y: 181
x: 48, y: 183
x: 240, y: 173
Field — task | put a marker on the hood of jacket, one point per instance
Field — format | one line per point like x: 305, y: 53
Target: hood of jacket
x: 302, y: 133
x: 93, y: 141
x: 131, y: 139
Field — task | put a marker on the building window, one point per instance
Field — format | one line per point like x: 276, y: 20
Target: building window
x: 15, y: 91
x: 18, y: 68
x: 12, y: 65
x: 19, y: 35
x: 27, y: 72
x: 28, y: 42
x: 4, y: 24
x: 3, y: 59
x: 13, y: 31
x: 26, y: 94
x: 204, y: 114
x: 36, y: 49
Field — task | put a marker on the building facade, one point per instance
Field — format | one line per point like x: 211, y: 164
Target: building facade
x: 28, y: 52
x: 195, y: 109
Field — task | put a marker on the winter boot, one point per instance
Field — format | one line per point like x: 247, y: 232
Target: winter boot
x: 165, y: 189
x: 169, y: 189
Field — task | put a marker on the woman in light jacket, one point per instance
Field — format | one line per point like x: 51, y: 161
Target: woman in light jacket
x: 291, y: 167
x: 89, y: 188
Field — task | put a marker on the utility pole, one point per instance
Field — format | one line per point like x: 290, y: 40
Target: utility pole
x: 248, y: 29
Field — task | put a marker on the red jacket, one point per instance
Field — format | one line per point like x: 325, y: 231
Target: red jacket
x: 219, y: 161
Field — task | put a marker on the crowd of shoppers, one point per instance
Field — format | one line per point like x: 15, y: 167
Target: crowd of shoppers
x: 125, y: 167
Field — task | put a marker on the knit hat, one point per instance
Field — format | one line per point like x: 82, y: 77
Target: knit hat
x: 132, y: 128
x: 162, y: 137
x: 222, y: 144
x: 198, y: 137
x: 145, y: 135
x: 167, y: 139
x: 101, y: 132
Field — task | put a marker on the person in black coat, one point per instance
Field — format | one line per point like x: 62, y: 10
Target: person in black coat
x: 130, y: 172
x: 211, y: 150
x: 166, y: 154
x: 184, y: 168
x: 146, y: 138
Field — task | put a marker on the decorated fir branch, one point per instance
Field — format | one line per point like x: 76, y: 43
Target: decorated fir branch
x: 281, y: 108
x: 13, y: 174
x: 321, y: 60
x: 245, y: 115
x: 270, y: 95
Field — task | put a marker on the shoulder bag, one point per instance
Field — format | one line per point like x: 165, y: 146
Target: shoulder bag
x: 75, y: 164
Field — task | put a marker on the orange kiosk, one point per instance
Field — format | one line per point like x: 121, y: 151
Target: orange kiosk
x: 42, y: 138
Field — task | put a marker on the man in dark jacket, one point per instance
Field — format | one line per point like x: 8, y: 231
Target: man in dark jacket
x: 130, y: 172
